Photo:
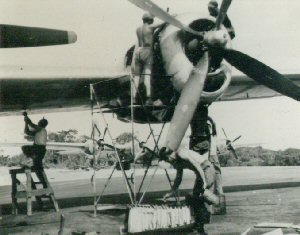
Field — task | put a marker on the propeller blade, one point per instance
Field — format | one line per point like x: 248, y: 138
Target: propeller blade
x: 152, y: 8
x: 233, y: 151
x: 236, y: 139
x: 187, y: 103
x: 262, y: 73
x: 12, y: 36
x: 224, y: 133
x: 222, y: 13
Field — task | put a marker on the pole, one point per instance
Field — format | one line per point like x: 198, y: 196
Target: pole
x: 94, y: 157
x: 132, y: 132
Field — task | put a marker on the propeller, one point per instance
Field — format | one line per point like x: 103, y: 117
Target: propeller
x: 262, y: 73
x: 187, y: 103
x: 151, y: 7
x: 222, y: 13
x: 216, y: 39
x: 12, y: 36
x: 246, y: 64
x: 229, y: 143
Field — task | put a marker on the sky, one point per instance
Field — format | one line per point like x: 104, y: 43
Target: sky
x: 268, y: 30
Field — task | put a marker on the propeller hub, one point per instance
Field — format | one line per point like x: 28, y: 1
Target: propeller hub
x: 216, y: 38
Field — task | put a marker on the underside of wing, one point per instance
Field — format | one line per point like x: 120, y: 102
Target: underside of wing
x: 46, y: 95
x: 244, y: 88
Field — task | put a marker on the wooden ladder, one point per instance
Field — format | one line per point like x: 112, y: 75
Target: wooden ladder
x: 30, y: 189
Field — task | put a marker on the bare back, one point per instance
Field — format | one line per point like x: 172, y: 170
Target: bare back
x: 40, y: 137
x: 145, y: 35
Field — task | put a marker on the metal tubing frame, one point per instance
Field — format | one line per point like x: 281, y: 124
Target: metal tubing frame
x: 132, y: 194
x: 96, y: 200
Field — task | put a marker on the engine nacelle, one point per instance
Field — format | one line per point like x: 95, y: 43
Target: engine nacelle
x: 179, y: 63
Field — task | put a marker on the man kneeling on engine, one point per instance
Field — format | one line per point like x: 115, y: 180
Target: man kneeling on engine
x: 203, y: 196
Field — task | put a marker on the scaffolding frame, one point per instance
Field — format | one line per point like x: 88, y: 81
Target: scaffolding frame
x: 133, y: 193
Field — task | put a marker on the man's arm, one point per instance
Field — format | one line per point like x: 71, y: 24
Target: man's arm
x: 31, y: 124
x: 139, y: 37
x: 30, y: 127
x: 27, y: 131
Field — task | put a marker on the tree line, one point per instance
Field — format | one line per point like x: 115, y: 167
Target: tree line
x: 247, y: 156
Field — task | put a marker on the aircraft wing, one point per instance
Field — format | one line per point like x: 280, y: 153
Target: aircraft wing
x: 52, y: 93
x: 244, y: 88
x: 50, y: 145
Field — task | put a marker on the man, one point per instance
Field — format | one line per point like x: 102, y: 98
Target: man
x: 213, y: 156
x: 144, y: 56
x: 216, y: 57
x: 36, y: 151
x: 203, y: 140
x: 203, y: 195
x: 200, y: 136
x: 214, y: 11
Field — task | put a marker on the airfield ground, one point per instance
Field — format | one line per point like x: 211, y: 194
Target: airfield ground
x: 244, y: 209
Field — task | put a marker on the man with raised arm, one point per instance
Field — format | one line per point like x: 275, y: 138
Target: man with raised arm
x: 36, y: 151
x: 144, y: 55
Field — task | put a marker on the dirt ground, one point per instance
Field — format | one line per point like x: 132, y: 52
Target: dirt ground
x: 247, y: 205
x: 244, y: 210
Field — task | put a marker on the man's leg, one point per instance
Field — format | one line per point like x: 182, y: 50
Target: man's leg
x: 147, y: 82
x: 201, y: 214
x: 136, y: 74
x: 199, y: 139
x: 218, y: 181
x: 218, y: 189
x: 147, y: 73
x: 28, y: 151
x: 218, y: 175
x: 136, y: 80
x: 38, y: 164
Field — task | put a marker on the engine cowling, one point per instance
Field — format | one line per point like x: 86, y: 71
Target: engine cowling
x: 179, y: 62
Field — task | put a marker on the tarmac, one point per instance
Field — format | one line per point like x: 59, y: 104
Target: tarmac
x: 278, y: 203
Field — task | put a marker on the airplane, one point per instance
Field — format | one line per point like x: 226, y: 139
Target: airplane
x: 24, y: 87
x: 62, y: 80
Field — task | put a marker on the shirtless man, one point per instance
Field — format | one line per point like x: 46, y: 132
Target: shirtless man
x: 214, y: 11
x: 144, y: 56
x: 36, y: 151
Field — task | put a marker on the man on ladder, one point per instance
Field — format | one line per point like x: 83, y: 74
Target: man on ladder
x: 36, y: 151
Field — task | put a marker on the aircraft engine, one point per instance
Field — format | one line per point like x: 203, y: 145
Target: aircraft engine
x: 181, y: 51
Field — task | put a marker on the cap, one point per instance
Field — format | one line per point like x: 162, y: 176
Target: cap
x: 148, y: 16
x: 213, y: 3
x: 43, y: 122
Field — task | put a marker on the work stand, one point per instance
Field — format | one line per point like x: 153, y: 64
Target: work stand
x: 31, y: 189
x: 136, y: 192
